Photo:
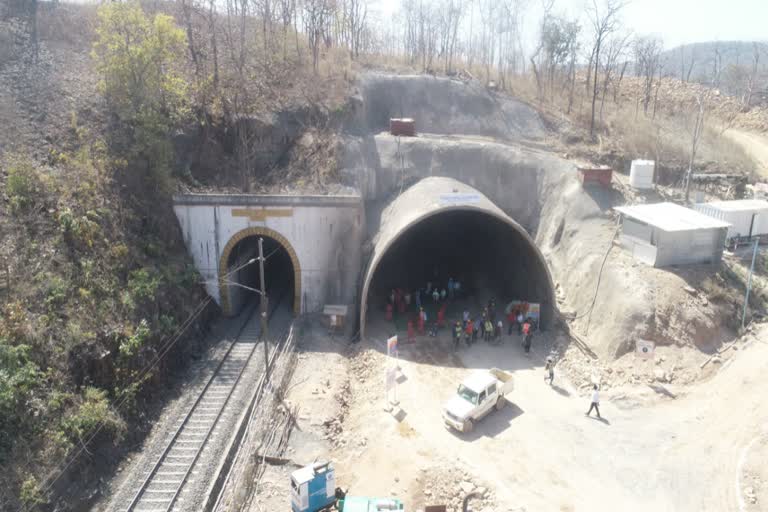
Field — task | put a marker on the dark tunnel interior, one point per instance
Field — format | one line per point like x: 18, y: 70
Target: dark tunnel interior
x: 278, y: 273
x: 488, y: 256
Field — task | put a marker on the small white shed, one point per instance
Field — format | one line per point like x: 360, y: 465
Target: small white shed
x: 666, y: 234
x: 747, y: 217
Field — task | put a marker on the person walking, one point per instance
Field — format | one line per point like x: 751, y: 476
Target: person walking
x: 550, y: 369
x: 443, y: 295
x: 456, y: 288
x: 528, y: 336
x: 488, y: 327
x: 418, y: 299
x: 435, y: 296
x: 499, y: 328
x: 519, y: 323
x: 450, y: 288
x: 465, y: 317
x: 595, y: 402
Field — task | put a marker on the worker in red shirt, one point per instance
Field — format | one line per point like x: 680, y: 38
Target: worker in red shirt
x: 528, y: 335
x: 468, y: 332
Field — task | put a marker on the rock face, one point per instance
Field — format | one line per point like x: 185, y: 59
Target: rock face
x: 443, y: 105
x: 47, y: 83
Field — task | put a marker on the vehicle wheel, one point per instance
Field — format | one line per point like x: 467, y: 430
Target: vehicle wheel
x: 500, y: 403
x: 469, y: 425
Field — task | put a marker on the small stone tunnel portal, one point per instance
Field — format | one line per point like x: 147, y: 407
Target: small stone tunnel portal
x: 242, y: 271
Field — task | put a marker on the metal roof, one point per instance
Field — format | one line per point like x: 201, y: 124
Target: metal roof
x: 739, y: 205
x: 671, y: 217
x: 479, y: 381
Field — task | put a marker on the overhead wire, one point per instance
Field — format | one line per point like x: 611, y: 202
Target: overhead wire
x: 171, y: 341
x: 62, y: 467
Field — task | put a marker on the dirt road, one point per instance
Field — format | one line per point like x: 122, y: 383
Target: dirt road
x: 697, y: 452
x: 755, y: 145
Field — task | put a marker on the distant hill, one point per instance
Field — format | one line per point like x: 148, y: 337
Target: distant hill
x: 725, y: 65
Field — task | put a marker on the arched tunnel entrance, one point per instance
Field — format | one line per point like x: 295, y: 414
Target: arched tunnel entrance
x: 442, y: 229
x: 239, y: 271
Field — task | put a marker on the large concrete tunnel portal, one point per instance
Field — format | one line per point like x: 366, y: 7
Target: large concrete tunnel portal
x: 441, y: 228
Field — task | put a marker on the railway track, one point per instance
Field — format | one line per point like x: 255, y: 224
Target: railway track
x: 161, y: 489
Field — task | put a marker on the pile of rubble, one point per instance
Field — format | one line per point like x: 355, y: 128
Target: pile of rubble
x: 334, y: 426
x: 450, y: 485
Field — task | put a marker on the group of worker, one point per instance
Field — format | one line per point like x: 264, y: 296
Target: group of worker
x: 401, y: 300
x: 487, y: 327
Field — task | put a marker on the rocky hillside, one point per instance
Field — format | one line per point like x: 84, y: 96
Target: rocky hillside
x: 94, y: 277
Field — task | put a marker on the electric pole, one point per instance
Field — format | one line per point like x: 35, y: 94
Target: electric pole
x: 263, y: 301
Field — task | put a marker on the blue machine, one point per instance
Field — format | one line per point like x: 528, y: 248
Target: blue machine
x: 313, y: 488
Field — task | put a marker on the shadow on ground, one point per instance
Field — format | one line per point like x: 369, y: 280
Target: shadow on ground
x: 492, y: 425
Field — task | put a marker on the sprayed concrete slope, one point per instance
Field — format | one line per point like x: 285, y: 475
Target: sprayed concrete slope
x: 572, y: 227
x: 442, y: 105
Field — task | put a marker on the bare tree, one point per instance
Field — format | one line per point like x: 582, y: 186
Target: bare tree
x: 647, y: 65
x: 747, y: 98
x: 615, y: 48
x: 605, y: 21
x: 317, y: 18
x: 696, y: 131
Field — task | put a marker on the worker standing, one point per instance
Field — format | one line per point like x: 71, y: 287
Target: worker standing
x: 488, y: 327
x: 550, y: 369
x: 511, y: 319
x: 469, y: 332
x: 595, y: 402
x: 528, y: 336
x: 456, y: 335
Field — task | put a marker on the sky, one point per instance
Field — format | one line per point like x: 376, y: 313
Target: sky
x: 675, y: 21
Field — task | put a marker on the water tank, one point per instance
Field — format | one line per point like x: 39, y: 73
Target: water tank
x: 641, y: 174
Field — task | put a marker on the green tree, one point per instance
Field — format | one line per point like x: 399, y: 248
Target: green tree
x: 139, y: 60
x: 19, y: 377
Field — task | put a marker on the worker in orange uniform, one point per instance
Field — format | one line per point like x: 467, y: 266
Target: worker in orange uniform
x: 422, y: 320
x: 411, y: 332
x: 441, y: 317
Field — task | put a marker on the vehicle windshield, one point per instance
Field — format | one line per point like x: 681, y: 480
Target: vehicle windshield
x: 467, y: 394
